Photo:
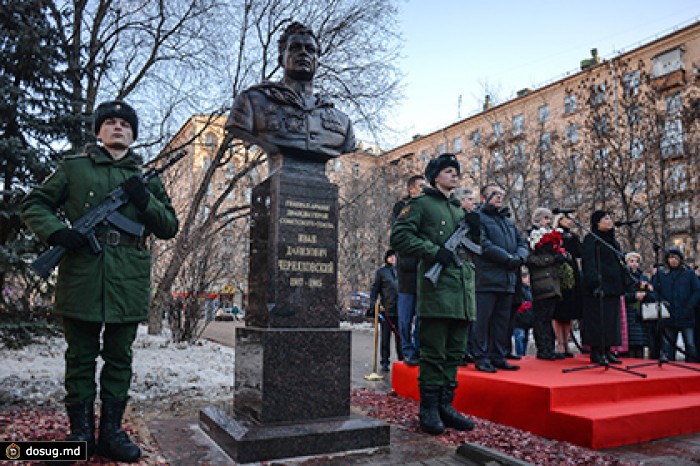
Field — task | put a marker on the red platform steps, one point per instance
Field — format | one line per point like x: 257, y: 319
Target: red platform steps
x: 595, y: 408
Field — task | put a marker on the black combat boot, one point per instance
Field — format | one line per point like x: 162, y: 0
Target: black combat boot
x: 113, y: 442
x: 449, y: 415
x: 429, y: 413
x: 81, y: 416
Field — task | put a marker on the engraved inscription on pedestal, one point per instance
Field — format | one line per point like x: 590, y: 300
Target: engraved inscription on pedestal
x: 293, y: 273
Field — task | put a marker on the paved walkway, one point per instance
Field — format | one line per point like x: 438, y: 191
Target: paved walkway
x: 183, y: 443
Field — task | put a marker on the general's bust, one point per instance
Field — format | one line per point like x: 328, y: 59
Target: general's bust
x: 287, y: 117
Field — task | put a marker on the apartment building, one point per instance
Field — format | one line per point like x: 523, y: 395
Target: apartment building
x: 621, y: 134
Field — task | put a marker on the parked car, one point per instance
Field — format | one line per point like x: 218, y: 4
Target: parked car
x: 227, y: 313
x: 359, y: 302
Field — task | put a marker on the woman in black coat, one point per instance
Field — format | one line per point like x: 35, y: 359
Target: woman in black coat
x: 604, y: 280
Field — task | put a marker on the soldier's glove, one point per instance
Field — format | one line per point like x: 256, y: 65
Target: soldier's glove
x: 137, y: 192
x: 445, y: 257
x: 68, y: 238
x: 474, y: 221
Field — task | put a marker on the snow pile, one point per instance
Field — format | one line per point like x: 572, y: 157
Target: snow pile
x: 162, y: 370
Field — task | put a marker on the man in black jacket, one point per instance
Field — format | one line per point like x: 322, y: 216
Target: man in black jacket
x: 386, y: 287
x: 406, y: 266
x: 504, y: 250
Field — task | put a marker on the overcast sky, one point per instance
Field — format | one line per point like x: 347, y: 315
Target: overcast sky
x: 462, y: 47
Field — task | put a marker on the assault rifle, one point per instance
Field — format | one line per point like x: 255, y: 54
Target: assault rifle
x: 106, y: 210
x: 458, y: 240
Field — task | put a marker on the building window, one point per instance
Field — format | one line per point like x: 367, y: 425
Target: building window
x: 569, y: 103
x: 673, y: 103
x: 230, y: 170
x: 476, y: 164
x: 545, y: 142
x: 518, y: 124
x: 543, y: 113
x: 337, y: 165
x: 678, y: 209
x: 210, y: 141
x: 600, y: 126
x: 574, y: 162
x: 598, y: 94
x: 630, y: 83
x: 498, y: 160
x: 667, y: 62
x: 475, y: 138
x: 519, y: 182
x: 672, y: 138
x: 425, y: 156
x: 547, y: 171
x: 601, y: 156
x: 356, y: 170
x: 636, y: 148
x: 457, y: 145
x: 519, y: 153
x: 497, y: 131
x: 441, y: 148
x: 634, y: 115
x: 572, y: 133
x: 677, y: 177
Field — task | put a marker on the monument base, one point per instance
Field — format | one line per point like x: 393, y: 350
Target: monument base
x: 248, y: 442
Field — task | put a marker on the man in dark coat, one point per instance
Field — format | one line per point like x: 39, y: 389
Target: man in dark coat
x: 385, y: 288
x: 101, y: 297
x: 680, y: 288
x: 504, y: 250
x: 604, y: 280
x: 406, y: 266
x: 444, y: 309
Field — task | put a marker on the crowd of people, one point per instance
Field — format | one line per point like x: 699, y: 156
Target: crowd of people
x: 483, y: 305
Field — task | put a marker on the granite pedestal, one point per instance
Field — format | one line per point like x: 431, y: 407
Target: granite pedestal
x: 292, y: 374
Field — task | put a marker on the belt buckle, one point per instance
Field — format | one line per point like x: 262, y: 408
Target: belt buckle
x: 112, y: 237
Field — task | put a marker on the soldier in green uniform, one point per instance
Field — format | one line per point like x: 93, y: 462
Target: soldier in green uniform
x: 101, y: 297
x: 445, y: 309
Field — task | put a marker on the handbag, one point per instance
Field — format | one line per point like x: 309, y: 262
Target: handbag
x: 649, y: 311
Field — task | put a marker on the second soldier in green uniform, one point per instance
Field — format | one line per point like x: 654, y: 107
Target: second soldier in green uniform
x: 445, y: 309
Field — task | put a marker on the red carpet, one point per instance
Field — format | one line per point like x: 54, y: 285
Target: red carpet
x: 595, y: 408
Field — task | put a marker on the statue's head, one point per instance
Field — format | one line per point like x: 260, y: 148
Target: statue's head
x: 298, y: 52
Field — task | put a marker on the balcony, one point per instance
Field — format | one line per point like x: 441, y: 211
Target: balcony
x: 669, y: 81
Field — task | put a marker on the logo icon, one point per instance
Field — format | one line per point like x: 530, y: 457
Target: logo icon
x: 12, y: 451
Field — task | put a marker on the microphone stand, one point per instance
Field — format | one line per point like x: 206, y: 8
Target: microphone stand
x: 603, y: 360
x: 660, y: 332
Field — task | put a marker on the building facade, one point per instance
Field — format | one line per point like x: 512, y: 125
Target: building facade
x: 621, y: 135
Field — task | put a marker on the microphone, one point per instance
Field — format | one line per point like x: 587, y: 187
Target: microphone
x: 563, y: 210
x: 625, y: 222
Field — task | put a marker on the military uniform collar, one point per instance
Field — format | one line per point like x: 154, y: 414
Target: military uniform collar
x: 432, y: 191
x: 100, y: 156
x: 280, y: 92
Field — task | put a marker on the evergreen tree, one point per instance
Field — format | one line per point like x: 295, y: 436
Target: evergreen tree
x: 33, y: 109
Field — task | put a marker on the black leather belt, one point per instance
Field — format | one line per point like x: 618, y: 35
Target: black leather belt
x: 118, y: 238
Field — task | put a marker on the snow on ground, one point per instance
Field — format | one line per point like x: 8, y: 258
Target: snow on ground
x: 162, y: 369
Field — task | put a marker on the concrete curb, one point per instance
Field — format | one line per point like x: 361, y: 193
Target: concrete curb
x: 486, y: 456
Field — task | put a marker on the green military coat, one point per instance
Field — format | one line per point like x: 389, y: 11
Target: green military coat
x: 112, y: 286
x: 423, y: 226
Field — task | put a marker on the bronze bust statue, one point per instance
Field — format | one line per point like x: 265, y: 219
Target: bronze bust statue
x: 287, y: 117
